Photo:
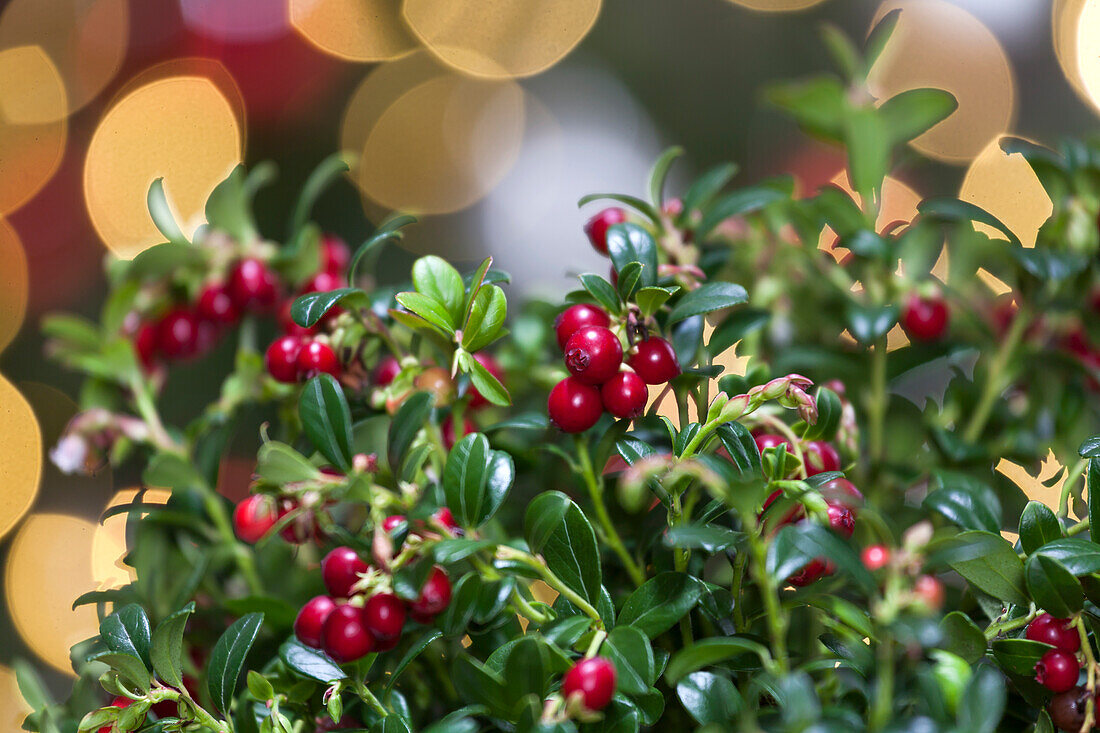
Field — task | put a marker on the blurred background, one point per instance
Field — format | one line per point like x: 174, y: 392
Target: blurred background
x: 487, y: 118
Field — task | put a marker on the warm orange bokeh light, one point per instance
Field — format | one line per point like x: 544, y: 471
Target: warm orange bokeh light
x: 937, y: 44
x: 13, y: 708
x: 1007, y: 187
x: 109, y: 540
x: 777, y: 6
x: 1088, y: 52
x: 13, y: 283
x: 181, y: 128
x: 48, y: 566
x: 85, y: 39
x: 500, y: 38
x: 20, y: 456
x: 354, y: 30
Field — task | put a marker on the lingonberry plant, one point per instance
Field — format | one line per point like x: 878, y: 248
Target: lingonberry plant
x: 453, y: 527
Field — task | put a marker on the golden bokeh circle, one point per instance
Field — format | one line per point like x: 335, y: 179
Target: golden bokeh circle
x: 13, y: 708
x: 1088, y: 52
x: 443, y: 145
x: 20, y: 456
x: 109, y: 540
x: 353, y: 30
x: 777, y: 6
x: 86, y: 40
x: 1065, y: 20
x: 33, y: 125
x: 179, y: 128
x: 1007, y: 187
x: 500, y: 38
x: 937, y: 44
x: 48, y: 566
x: 14, y: 283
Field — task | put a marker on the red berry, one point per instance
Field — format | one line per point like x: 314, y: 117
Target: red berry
x: 335, y: 254
x: 387, y: 370
x: 593, y: 354
x: 145, y: 345
x: 1057, y: 670
x: 493, y: 366
x: 345, y: 637
x: 655, y: 361
x: 820, y: 457
x: 924, y: 319
x: 842, y: 491
x: 444, y: 517
x: 287, y: 323
x: 770, y: 440
x: 596, y: 227
x: 574, y: 406
x: 301, y: 528
x: 215, y: 305
x: 384, y: 616
x: 875, y: 557
x: 311, y: 620
x: 281, y: 358
x: 593, y: 679
x: 447, y: 431
x: 389, y: 524
x: 120, y: 701
x: 624, y: 395
x: 340, y: 570
x: 178, y: 334
x: 576, y: 317
x: 434, y: 596
x: 929, y: 590
x: 315, y: 358
x: 253, y: 517
x: 1058, y: 632
x: 842, y: 520
x: 253, y: 286
x: 811, y: 572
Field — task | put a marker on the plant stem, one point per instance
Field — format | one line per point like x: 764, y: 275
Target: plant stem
x: 777, y: 624
x: 1090, y: 667
x: 996, y: 629
x: 523, y: 607
x: 557, y: 584
x: 368, y: 697
x: 884, y: 686
x: 735, y: 591
x: 595, y: 490
x: 994, y: 382
x: 878, y: 402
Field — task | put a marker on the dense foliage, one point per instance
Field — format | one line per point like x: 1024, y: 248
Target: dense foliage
x: 813, y: 545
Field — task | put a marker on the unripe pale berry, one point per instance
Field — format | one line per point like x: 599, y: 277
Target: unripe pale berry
x: 574, y: 406
x: 311, y: 620
x: 253, y: 517
x: 924, y: 319
x: 384, y: 615
x: 438, y: 382
x: 593, y: 679
x: 345, y: 637
x: 625, y: 395
x: 593, y: 354
x: 1057, y: 670
x: 576, y: 317
x: 596, y: 227
x: 340, y: 570
x: 281, y: 359
x: 434, y: 596
x: 1058, y: 632
x: 655, y: 360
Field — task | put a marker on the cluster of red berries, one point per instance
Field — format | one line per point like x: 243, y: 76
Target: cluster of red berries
x: 924, y: 318
x: 594, y: 357
x: 297, y: 354
x: 592, y: 680
x: 1058, y: 669
x: 256, y: 514
x: 349, y: 624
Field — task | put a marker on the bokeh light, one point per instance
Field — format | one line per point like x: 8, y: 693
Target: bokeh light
x: 109, y: 540
x: 13, y: 708
x: 1065, y: 28
x: 443, y: 145
x: 777, y: 6
x: 48, y: 566
x: 20, y: 456
x: 86, y: 40
x: 181, y: 128
x: 1088, y: 52
x: 354, y: 30
x: 33, y: 93
x: 236, y: 20
x: 211, y: 70
x: 500, y: 38
x: 13, y: 283
x: 937, y: 44
x: 1007, y: 187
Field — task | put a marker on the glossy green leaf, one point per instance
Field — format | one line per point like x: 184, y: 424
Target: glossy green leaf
x: 132, y: 669
x: 817, y: 104
x: 710, y: 537
x: 982, y: 703
x: 660, y: 603
x: 167, y: 646
x: 707, y: 298
x: 309, y: 662
x: 1078, y: 555
x: 796, y: 545
x: 967, y: 503
x: 475, y: 682
x: 741, y: 448
x: 710, y: 698
x: 1018, y: 656
x: 706, y: 187
x: 161, y: 213
x: 308, y: 309
x: 279, y: 463
x: 952, y: 209
x: 879, y: 35
x: 326, y: 172
x: 913, y: 112
x: 641, y: 206
x: 736, y: 326
x: 628, y: 243
x: 1090, y: 448
x: 870, y: 323
x: 414, y: 651
x: 962, y: 637
x: 1093, y: 483
x: 868, y: 141
x: 1053, y: 587
x: 629, y: 650
x: 486, y: 321
x: 659, y: 173
x: 431, y: 310
x: 476, y: 479
x: 326, y: 419
x: 227, y: 659
x: 988, y: 562
x: 628, y: 280
x: 603, y: 291
x: 436, y: 278
x: 558, y: 530
x: 228, y: 207
x: 1038, y: 526
x: 126, y: 631
x: 406, y: 424
x: 709, y: 652
x: 369, y: 250
x: 651, y: 299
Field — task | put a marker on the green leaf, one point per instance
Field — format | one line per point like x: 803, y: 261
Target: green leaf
x: 1019, y: 656
x: 879, y: 35
x: 868, y: 244
x: 279, y: 463
x: 829, y: 412
x: 406, y: 424
x: 307, y: 309
x: 844, y: 53
x: 651, y: 299
x: 414, y: 651
x: 168, y: 646
x: 476, y: 479
x: 486, y: 320
x: 227, y: 208
x: 448, y: 552
x: 435, y: 277
x: 476, y: 683
x: 126, y: 631
x: 327, y: 171
x: 915, y: 111
x: 816, y: 104
x: 988, y: 562
x: 161, y: 213
x: 870, y: 323
x: 659, y: 173
x: 706, y: 298
x: 628, y: 280
x: 628, y: 243
x: 739, y: 324
x: 526, y: 669
x: 629, y: 650
x: 952, y: 209
x: 1038, y: 526
x: 962, y: 636
x: 982, y: 703
x: 369, y: 250
x: 868, y: 142
x: 641, y: 206
x: 326, y: 419
x: 706, y: 187
x: 431, y: 310
x: 1079, y: 556
x: 741, y: 448
x: 710, y: 537
x: 710, y: 698
x: 309, y: 662
x: 709, y: 652
x: 1093, y: 477
x: 557, y: 529
x: 966, y: 502
x: 660, y: 603
x: 487, y: 385
x: 603, y: 291
x: 738, y: 203
x: 132, y: 669
x: 227, y: 659
x: 158, y: 262
x: 1053, y: 587
x: 796, y: 545
x: 1090, y: 448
